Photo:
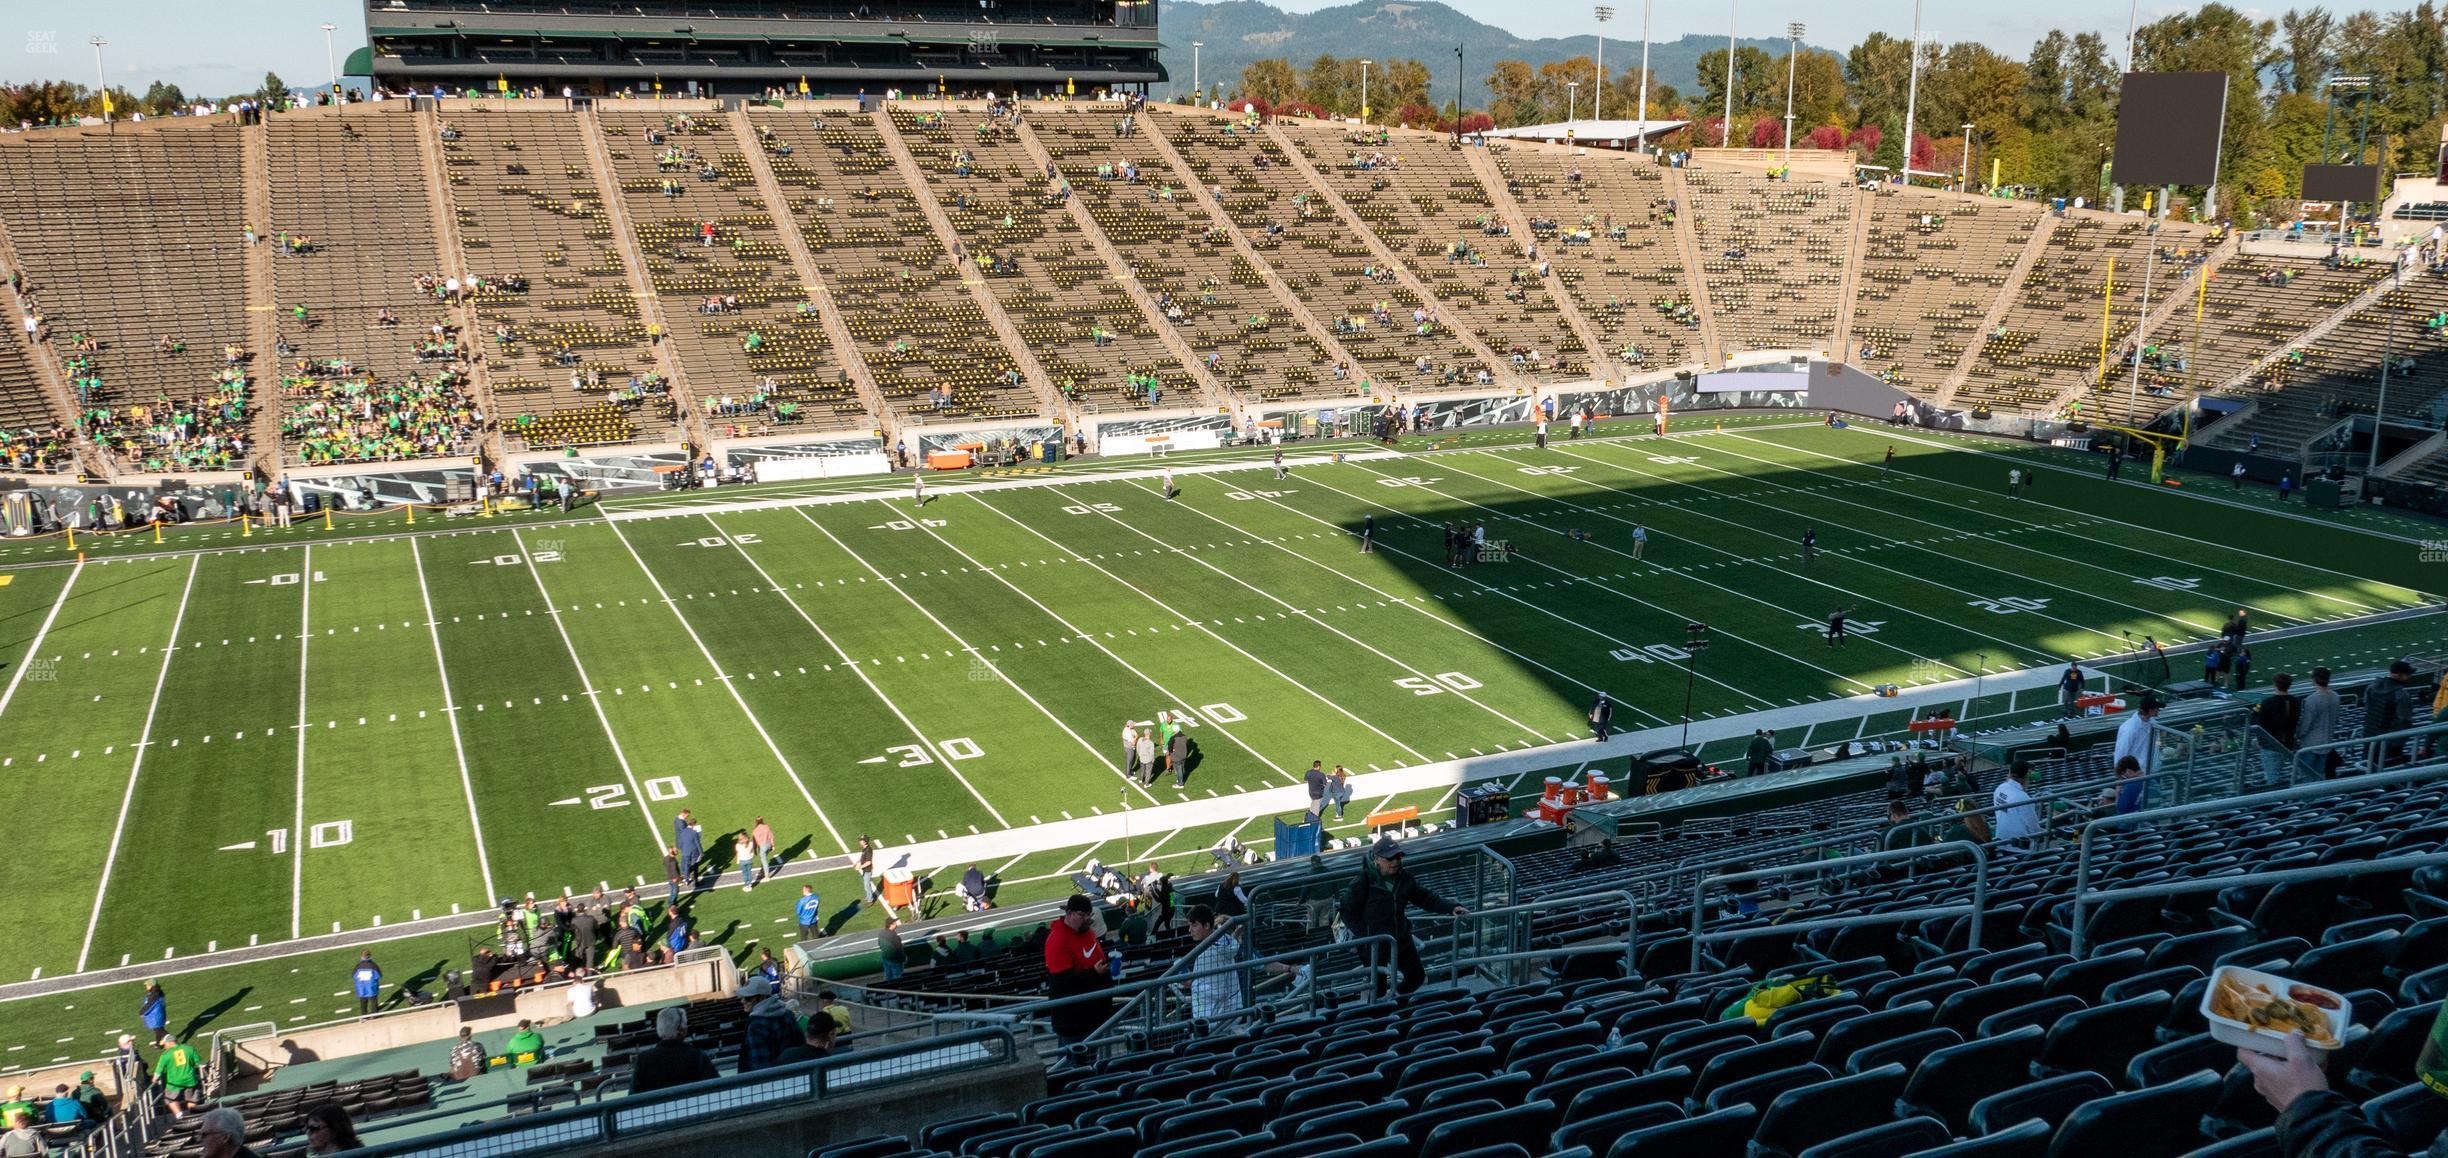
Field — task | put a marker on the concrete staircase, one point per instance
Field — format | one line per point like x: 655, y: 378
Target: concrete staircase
x: 1496, y: 363
x: 1040, y: 381
x: 2318, y: 330
x: 48, y: 372
x: 454, y: 264
x: 1687, y: 247
x: 633, y: 262
x: 1857, y: 243
x: 1518, y: 222
x: 1216, y: 395
x: 837, y: 332
x: 263, y: 305
x: 1187, y: 178
x: 2006, y: 295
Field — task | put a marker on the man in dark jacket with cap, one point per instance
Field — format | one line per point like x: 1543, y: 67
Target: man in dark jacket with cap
x: 1379, y: 902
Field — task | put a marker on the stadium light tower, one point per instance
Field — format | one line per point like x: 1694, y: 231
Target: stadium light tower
x: 1963, y: 184
x: 1572, y: 100
x: 101, y: 78
x: 1640, y: 114
x: 1725, y: 129
x: 1195, y: 90
x: 1598, y: 100
x: 1364, y: 69
x: 328, y: 60
x: 1912, y: 91
x: 1793, y: 41
x: 1695, y: 642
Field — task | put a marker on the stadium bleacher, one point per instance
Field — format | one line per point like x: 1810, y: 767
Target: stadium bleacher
x: 1772, y: 254
x: 1606, y: 222
x: 1934, y: 265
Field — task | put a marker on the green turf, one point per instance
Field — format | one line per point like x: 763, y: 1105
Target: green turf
x: 499, y: 707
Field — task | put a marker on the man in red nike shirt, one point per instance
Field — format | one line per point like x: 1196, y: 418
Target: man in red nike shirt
x: 1076, y: 964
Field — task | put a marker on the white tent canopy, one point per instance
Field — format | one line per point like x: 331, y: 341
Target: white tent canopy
x: 1590, y: 131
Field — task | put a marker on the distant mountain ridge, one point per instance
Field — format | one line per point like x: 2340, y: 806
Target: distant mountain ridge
x: 1237, y: 32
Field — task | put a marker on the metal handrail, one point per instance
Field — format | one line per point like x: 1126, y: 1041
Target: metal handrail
x: 1477, y: 919
x: 1379, y: 945
x: 1980, y: 891
x: 2249, y: 880
x: 659, y: 1110
x: 2082, y: 850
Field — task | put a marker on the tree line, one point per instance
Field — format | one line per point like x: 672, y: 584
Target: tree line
x: 2047, y: 121
x: 41, y: 103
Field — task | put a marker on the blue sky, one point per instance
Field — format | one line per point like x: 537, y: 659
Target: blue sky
x: 222, y: 46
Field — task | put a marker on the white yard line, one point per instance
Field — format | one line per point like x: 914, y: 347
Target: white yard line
x: 975, y: 653
x: 34, y: 649
x: 971, y: 488
x: 450, y: 711
x: 1408, y: 603
x: 594, y: 698
x: 2010, y: 646
x: 1201, y: 625
x: 1580, y: 580
x: 297, y: 831
x: 144, y: 744
x: 729, y: 685
x: 2225, y: 546
x: 1806, y: 617
x: 1982, y: 446
x: 2170, y: 617
x: 1090, y: 639
x: 1305, y: 614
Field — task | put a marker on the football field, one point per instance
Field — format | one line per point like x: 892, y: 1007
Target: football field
x: 311, y: 733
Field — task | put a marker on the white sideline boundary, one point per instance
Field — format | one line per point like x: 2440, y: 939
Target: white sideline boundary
x: 1086, y: 830
x: 1006, y: 484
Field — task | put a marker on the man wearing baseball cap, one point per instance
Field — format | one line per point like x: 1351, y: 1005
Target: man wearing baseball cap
x: 1076, y: 964
x: 1379, y: 902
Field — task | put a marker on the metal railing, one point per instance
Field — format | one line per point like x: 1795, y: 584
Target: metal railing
x: 637, y: 1115
x: 2084, y: 896
x: 1168, y: 1014
x: 1700, y: 939
x: 1508, y: 930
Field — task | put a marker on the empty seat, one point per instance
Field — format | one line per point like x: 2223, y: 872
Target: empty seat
x: 1724, y: 1131
x: 1490, y: 1128
x: 2085, y: 979
x: 1843, y: 1039
x: 1764, y: 1088
x: 1947, y: 1082
x: 1883, y: 1141
x: 2026, y: 1140
x: 1671, y: 1085
x: 1802, y: 1118
x: 2161, y: 1120
x: 2412, y: 1117
x: 2050, y: 1099
x: 1599, y: 1131
x: 2175, y: 1059
x: 1751, y: 1061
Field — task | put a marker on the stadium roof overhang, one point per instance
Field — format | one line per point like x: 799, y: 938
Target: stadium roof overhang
x: 536, y: 26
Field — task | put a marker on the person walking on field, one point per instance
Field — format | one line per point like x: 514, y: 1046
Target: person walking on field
x: 1177, y: 754
x: 1130, y: 751
x: 918, y: 490
x: 1147, y: 756
x: 2014, y: 482
x: 763, y: 834
x: 1368, y: 534
x: 1279, y: 466
x: 1640, y: 540
x: 1602, y: 717
x: 1888, y: 467
x: 154, y: 1010
x: 1168, y: 482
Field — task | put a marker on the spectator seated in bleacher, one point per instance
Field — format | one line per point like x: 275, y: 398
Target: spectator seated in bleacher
x: 183, y: 434
x: 223, y: 1134
x: 671, y: 1060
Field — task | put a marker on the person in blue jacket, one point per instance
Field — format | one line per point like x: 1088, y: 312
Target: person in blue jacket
x: 810, y: 912
x: 155, y: 1011
x: 367, y: 977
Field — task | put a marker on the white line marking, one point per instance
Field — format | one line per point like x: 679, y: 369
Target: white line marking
x: 297, y: 833
x: 654, y: 834
x: 1094, y: 752
x: 1211, y: 633
x: 484, y: 864
x: 127, y: 799
x: 732, y: 686
x: 34, y: 649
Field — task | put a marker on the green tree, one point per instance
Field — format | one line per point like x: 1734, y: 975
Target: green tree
x: 1399, y: 83
x: 1758, y: 84
x: 1513, y: 94
x: 163, y: 99
x: 42, y: 102
x: 2217, y: 38
x: 274, y: 90
x: 1270, y: 80
x: 1818, y: 89
x: 2310, y: 35
x: 1332, y: 83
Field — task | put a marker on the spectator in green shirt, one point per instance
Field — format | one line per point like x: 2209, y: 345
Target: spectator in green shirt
x: 525, y: 1041
x: 178, y: 1074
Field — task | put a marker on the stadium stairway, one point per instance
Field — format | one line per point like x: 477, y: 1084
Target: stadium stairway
x: 1687, y: 244
x: 431, y: 160
x: 1403, y: 273
x: 1281, y: 295
x: 2008, y: 292
x: 1040, y: 380
x: 1213, y: 392
x: 1510, y: 211
x: 633, y: 263
x: 845, y: 349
